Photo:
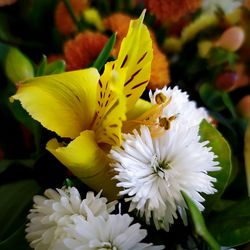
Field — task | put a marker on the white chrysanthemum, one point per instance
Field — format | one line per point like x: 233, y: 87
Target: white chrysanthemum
x: 186, y: 111
x: 50, y: 214
x: 154, y: 171
x: 114, y: 232
x: 210, y: 6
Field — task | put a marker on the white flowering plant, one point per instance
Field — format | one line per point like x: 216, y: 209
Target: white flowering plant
x: 131, y: 132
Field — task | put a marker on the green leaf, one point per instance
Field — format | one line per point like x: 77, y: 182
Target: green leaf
x: 211, y: 97
x: 41, y: 67
x: 55, y: 67
x: 220, y: 148
x: 15, y: 199
x: 104, y: 55
x: 231, y: 227
x: 17, y: 66
x: 227, y: 124
x: 5, y: 163
x: 219, y: 56
x: 16, y: 239
x: 45, y: 68
x: 228, y: 103
x: 199, y: 223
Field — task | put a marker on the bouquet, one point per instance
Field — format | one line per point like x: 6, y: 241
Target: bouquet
x: 124, y: 124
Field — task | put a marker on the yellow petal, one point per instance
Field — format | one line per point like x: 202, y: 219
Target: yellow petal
x: 140, y: 107
x: 123, y: 82
x: 136, y: 55
x: 64, y: 103
x: 111, y: 106
x: 86, y: 160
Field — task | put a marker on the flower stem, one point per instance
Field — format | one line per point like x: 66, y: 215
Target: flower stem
x: 72, y: 14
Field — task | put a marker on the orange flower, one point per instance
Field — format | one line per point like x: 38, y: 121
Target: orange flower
x: 63, y: 20
x: 119, y: 23
x: 159, y: 70
x: 171, y: 10
x: 83, y: 49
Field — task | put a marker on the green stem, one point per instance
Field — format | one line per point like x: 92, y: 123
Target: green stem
x: 103, y: 56
x: 72, y: 14
x: 229, y: 104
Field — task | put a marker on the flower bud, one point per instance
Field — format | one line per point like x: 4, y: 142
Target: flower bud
x: 246, y: 4
x: 226, y: 81
x: 244, y: 106
x: 17, y: 66
x: 204, y: 48
x: 91, y: 15
x: 243, y: 78
x: 231, y: 39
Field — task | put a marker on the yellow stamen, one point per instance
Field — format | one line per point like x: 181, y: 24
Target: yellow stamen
x: 160, y: 98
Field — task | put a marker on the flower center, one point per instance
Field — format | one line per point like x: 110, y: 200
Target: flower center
x: 106, y: 246
x: 159, y: 167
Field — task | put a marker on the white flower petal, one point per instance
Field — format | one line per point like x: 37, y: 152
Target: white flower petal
x: 113, y: 232
x: 180, y: 106
x: 57, y: 210
x: 176, y: 162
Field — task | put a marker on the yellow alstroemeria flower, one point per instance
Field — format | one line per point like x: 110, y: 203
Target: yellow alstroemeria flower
x: 90, y: 109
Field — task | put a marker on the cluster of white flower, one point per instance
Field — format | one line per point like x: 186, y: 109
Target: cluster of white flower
x: 61, y: 220
x: 153, y: 170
